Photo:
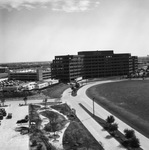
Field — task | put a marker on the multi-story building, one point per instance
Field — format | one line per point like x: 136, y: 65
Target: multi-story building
x: 4, y: 72
x: 67, y: 67
x: 135, y: 63
x: 106, y: 63
x: 93, y: 64
x: 29, y: 74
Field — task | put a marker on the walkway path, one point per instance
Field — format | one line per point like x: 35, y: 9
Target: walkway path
x: 94, y: 127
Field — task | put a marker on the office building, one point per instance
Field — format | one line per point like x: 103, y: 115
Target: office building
x: 67, y: 67
x: 93, y: 64
x: 29, y: 74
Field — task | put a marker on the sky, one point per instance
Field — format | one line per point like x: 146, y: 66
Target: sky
x: 39, y: 30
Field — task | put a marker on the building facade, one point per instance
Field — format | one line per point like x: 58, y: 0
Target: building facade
x: 29, y: 74
x: 67, y: 67
x: 3, y: 72
x: 105, y: 63
x: 93, y: 64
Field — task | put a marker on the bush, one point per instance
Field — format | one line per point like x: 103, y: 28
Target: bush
x: 110, y: 119
x: 129, y: 133
x: 134, y: 142
x: 131, y: 141
x: 34, y: 143
x: 113, y: 127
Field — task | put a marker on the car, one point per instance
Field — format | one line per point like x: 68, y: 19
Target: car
x: 3, y: 112
x: 22, y: 121
x: 9, y: 116
x: 24, y: 131
x: 19, y: 129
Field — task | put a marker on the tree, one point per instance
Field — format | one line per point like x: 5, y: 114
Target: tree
x: 113, y: 128
x: 2, y: 98
x: 129, y: 133
x: 54, y: 126
x: 39, y: 146
x: 3, y: 101
x: 134, y: 142
x: 25, y: 100
x: 45, y: 101
x: 51, y: 127
x: 77, y: 85
x: 110, y: 119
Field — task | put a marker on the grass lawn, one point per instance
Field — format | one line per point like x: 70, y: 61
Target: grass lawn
x: 128, y: 100
x: 55, y: 91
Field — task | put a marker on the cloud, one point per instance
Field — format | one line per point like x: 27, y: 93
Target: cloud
x: 55, y: 5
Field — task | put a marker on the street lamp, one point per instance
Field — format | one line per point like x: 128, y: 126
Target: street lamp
x: 93, y: 107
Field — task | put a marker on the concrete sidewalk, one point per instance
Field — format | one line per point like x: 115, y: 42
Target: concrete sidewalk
x: 91, y: 125
x: 102, y: 136
x: 101, y: 112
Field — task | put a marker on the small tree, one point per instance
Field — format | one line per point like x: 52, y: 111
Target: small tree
x: 39, y: 146
x: 3, y: 101
x: 77, y: 85
x: 113, y: 128
x: 25, y: 100
x: 129, y: 133
x: 110, y: 120
x: 54, y: 126
x: 134, y: 142
x: 45, y: 101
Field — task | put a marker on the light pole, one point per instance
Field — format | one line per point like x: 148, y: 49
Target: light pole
x: 93, y: 107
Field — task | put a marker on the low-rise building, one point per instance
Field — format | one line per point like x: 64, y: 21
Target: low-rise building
x: 30, y: 74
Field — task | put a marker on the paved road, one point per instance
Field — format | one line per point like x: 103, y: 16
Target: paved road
x: 93, y: 127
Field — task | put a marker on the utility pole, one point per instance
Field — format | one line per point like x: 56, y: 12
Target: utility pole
x: 93, y: 107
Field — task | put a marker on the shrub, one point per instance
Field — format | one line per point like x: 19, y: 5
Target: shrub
x: 129, y: 133
x: 34, y: 143
x: 110, y: 119
x: 113, y: 127
x: 134, y: 142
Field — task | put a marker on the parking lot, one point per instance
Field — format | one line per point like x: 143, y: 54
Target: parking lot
x: 9, y: 138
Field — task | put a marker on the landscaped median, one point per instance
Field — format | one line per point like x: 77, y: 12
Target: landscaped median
x: 131, y: 143
x: 57, y: 127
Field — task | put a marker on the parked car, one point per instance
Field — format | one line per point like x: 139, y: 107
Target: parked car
x: 3, y: 112
x: 9, y: 116
x: 22, y: 121
x: 19, y: 129
x: 24, y: 131
x: 25, y: 120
